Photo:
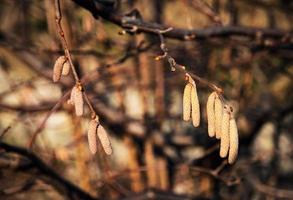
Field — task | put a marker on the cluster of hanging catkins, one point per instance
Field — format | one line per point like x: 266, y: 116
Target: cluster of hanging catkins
x: 221, y: 122
x: 96, y: 130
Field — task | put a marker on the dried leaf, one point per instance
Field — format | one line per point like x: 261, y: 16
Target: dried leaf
x: 195, y: 109
x: 211, y: 114
x: 186, y: 102
x: 105, y: 142
x: 233, y: 151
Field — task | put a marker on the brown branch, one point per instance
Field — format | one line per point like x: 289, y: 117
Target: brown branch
x: 215, y: 173
x: 50, y: 175
x: 139, y: 25
x: 272, y: 191
x: 68, y: 56
x: 22, y: 108
x: 42, y: 125
x: 3, y: 133
x: 175, y: 66
x: 204, y: 8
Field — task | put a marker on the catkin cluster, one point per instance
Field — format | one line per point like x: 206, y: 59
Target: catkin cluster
x: 222, y: 124
x: 61, y: 67
x: 191, y: 109
x: 96, y: 131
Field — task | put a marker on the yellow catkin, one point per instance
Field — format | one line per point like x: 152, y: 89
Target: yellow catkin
x: 233, y: 151
x: 66, y: 68
x: 224, y: 146
x: 211, y: 114
x: 186, y: 102
x: 92, y: 136
x: 78, y: 102
x: 195, y: 109
x: 72, y: 95
x: 57, y: 70
x: 105, y: 142
x: 218, y: 116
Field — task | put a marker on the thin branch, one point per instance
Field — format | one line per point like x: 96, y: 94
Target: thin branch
x: 3, y: 133
x: 139, y: 25
x: 175, y: 66
x: 22, y: 108
x: 58, y: 16
x: 42, y: 125
x: 51, y: 176
x: 215, y: 173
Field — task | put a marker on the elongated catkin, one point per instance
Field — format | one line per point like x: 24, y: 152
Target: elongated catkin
x: 105, y: 142
x: 233, y: 151
x: 57, y: 70
x: 224, y: 146
x: 72, y: 95
x: 78, y: 102
x: 195, y: 109
x: 186, y: 102
x: 92, y: 136
x: 211, y: 114
x: 66, y: 68
x: 218, y: 116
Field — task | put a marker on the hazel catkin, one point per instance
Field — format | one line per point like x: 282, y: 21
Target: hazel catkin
x: 92, y: 136
x: 211, y: 114
x: 218, y: 116
x: 225, y: 127
x: 78, y: 102
x: 186, y: 102
x: 66, y: 68
x: 104, y: 139
x: 57, y: 69
x: 72, y: 95
x: 195, y: 109
x: 233, y: 151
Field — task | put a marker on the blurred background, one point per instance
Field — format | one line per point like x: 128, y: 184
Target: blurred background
x: 139, y: 101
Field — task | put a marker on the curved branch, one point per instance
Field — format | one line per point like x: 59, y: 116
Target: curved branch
x: 50, y: 175
x: 138, y: 24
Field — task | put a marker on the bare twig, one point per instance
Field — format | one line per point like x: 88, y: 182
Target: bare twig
x: 49, y: 175
x: 42, y: 125
x: 203, y: 7
x: 175, y: 66
x: 215, y: 173
x: 3, y: 133
x: 184, y: 34
x: 58, y: 16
